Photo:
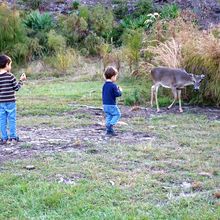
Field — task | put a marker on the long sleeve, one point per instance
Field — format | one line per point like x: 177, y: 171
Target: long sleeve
x: 16, y: 85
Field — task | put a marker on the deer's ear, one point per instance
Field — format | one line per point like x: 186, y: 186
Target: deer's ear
x: 202, y: 76
x: 191, y: 75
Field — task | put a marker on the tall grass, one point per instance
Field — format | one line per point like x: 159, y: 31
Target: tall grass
x: 197, y: 51
x: 168, y: 54
x: 203, y: 56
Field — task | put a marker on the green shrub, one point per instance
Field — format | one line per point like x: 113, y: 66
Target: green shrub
x: 84, y: 12
x: 75, y: 5
x: 132, y: 41
x: 63, y: 60
x: 170, y: 11
x: 120, y: 9
x: 202, y: 61
x: 116, y: 34
x: 39, y: 22
x: 38, y: 25
x: 35, y: 49
x: 74, y: 28
x: 13, y: 39
x: 139, y: 94
x: 101, y: 21
x: 143, y: 7
x: 150, y: 20
x: 134, y: 23
x: 55, y: 41
x: 92, y: 43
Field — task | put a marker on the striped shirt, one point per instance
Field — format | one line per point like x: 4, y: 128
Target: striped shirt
x: 8, y: 86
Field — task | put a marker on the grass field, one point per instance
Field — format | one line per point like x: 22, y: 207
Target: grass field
x: 162, y: 166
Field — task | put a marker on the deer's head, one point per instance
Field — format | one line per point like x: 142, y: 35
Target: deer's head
x: 197, y: 79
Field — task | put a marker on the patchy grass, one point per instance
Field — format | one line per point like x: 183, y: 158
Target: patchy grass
x: 110, y: 178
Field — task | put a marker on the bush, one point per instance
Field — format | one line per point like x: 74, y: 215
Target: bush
x: 169, y: 11
x: 139, y: 94
x: 143, y: 7
x: 55, y: 41
x: 75, y: 5
x: 134, y: 23
x: 120, y: 9
x: 203, y: 57
x: 132, y: 41
x: 74, y: 29
x: 92, y: 43
x: 101, y: 21
x: 38, y: 25
x: 167, y: 54
x: 84, y: 12
x: 63, y: 60
x: 39, y: 22
x: 196, y: 51
x: 13, y: 39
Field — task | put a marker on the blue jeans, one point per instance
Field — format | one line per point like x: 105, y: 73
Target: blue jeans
x: 8, y: 115
x: 112, y: 114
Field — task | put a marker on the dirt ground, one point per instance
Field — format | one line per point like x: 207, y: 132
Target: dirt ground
x: 40, y: 140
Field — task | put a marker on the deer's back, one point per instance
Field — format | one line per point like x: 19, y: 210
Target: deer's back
x: 168, y: 76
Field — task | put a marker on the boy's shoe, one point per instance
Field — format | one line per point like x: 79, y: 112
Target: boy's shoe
x: 14, y: 140
x: 4, y: 141
x: 111, y: 134
x: 110, y: 131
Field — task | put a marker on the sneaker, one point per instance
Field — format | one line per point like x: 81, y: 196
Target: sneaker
x: 111, y: 133
x: 4, y: 141
x: 14, y: 140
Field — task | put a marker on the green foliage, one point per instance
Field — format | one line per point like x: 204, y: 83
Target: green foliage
x: 13, y: 36
x: 75, y: 5
x: 132, y: 41
x: 92, y: 43
x: 55, y: 41
x: 84, y: 12
x: 170, y: 11
x: 143, y: 7
x: 116, y: 34
x: 63, y: 60
x: 35, y: 49
x: 39, y: 22
x: 74, y: 27
x: 101, y: 21
x: 134, y: 23
x: 151, y: 19
x: 120, y: 9
x: 38, y: 25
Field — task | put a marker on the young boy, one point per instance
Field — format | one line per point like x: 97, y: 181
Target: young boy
x: 8, y: 86
x: 109, y: 93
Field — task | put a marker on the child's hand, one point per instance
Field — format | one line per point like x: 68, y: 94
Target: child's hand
x: 120, y: 89
x: 23, y: 77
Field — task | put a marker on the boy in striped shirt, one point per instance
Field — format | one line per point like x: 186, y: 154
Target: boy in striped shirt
x: 8, y: 86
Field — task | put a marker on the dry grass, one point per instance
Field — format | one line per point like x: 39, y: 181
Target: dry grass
x: 197, y: 51
x: 168, y: 54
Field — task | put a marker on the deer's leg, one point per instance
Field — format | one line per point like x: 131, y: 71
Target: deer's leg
x: 152, y: 95
x: 174, y: 91
x: 179, y: 97
x: 156, y: 91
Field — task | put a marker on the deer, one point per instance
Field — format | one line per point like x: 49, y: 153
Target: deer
x: 175, y: 79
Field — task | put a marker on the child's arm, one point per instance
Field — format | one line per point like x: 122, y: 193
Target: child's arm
x: 17, y: 85
x: 117, y: 91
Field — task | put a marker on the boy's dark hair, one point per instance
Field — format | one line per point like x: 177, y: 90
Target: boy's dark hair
x: 109, y: 72
x: 4, y: 60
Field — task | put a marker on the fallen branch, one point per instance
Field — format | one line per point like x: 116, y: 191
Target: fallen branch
x: 86, y: 106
